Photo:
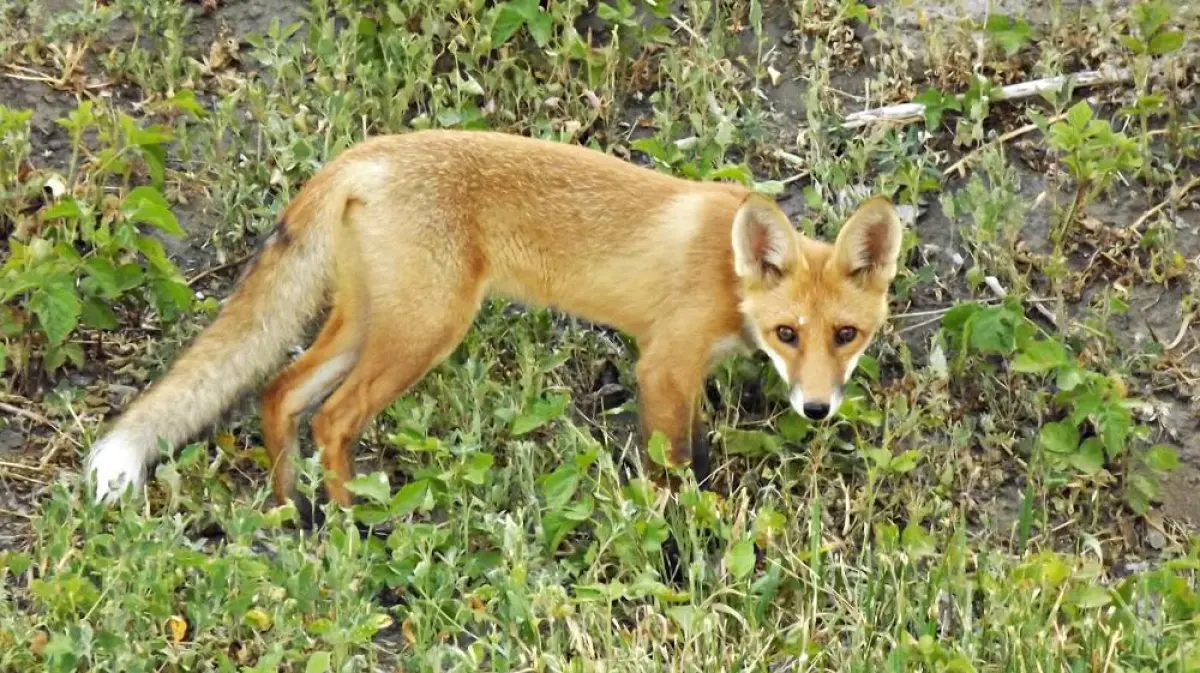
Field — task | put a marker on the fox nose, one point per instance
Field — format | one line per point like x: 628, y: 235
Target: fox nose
x: 816, y: 411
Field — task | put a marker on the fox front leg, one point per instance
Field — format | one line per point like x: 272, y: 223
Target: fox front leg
x: 670, y: 378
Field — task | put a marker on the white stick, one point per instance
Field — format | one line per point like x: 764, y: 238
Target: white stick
x: 914, y: 111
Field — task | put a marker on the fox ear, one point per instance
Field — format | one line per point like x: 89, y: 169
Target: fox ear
x: 764, y: 241
x: 869, y: 242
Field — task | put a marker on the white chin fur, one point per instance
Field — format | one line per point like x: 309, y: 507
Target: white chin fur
x: 835, y: 403
x: 797, y: 400
x: 116, y: 462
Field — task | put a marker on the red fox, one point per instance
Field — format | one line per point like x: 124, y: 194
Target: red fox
x: 402, y: 237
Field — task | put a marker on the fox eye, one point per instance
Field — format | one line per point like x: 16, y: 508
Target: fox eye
x: 844, y: 335
x: 786, y: 334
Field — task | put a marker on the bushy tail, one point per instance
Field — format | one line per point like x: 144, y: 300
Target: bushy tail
x: 264, y: 316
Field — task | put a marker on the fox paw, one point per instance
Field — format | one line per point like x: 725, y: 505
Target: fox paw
x: 116, y: 464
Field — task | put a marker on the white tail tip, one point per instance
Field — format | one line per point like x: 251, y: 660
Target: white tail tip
x: 116, y: 463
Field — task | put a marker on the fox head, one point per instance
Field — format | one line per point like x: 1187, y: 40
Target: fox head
x: 811, y: 306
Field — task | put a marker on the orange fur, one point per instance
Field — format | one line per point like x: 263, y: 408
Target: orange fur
x: 409, y: 233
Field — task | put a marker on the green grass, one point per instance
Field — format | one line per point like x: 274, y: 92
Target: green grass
x: 998, y: 493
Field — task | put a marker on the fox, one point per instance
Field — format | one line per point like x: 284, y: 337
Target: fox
x: 399, y: 239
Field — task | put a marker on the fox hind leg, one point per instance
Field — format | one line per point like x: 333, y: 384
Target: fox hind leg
x: 418, y: 315
x: 301, y: 387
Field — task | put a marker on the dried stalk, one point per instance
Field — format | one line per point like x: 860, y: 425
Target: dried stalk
x: 910, y: 112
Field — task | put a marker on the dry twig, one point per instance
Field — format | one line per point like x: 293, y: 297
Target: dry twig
x: 1187, y: 187
x: 1183, y: 328
x: 910, y: 112
x: 959, y: 165
x: 217, y: 269
x: 994, y: 285
x: 31, y: 415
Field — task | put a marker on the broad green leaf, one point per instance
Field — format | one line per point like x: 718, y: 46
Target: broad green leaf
x: 1165, y: 43
x: 540, y: 25
x: 508, y: 22
x: 1162, y: 458
x: 688, y: 617
x: 905, y: 462
x: 916, y: 541
x: 1137, y: 502
x: 186, y: 100
x: 152, y: 248
x: 1039, y: 357
x: 146, y: 205
x: 1089, y: 596
x: 1059, y: 437
x: 477, y: 468
x: 770, y: 187
x: 1079, y: 115
x: 666, y: 153
x: 740, y: 559
x: 129, y: 276
x: 372, y: 486
x: 1089, y: 459
x: 869, y: 366
x: 53, y: 358
x: 104, y: 272
x: 750, y: 442
x: 957, y: 318
x: 1115, y: 424
x: 98, y: 314
x: 768, y: 524
x: 1009, y: 33
x: 66, y: 208
x: 608, y: 12
x: 155, y: 157
x: 154, y: 135
x: 880, y: 456
x: 371, y: 515
x: 540, y: 413
x: 15, y: 562
x: 935, y: 104
x: 993, y: 330
x: 556, y: 527
x: 319, y: 662
x: 1085, y: 403
x: 738, y: 172
x: 410, y: 497
x: 171, y: 298
x: 1151, y: 16
x: 527, y: 9
x: 57, y: 355
x: 559, y: 486
x: 581, y: 510
x: 74, y: 353
x: 1144, y: 486
x: 793, y: 427
x: 1069, y: 379
x: 657, y: 449
x: 856, y: 10
x: 653, y: 534
x: 56, y: 306
x: 1133, y: 44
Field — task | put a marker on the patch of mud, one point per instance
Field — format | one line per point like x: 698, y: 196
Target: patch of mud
x: 247, y: 17
x: 911, y: 19
x: 50, y: 142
